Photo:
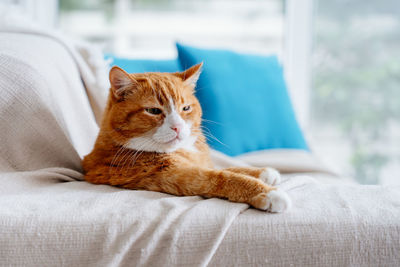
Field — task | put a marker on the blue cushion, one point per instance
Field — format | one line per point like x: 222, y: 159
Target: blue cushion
x: 145, y: 65
x: 245, y: 102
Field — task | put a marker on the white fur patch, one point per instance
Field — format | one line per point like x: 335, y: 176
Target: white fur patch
x: 165, y: 139
x: 270, y: 176
x: 276, y: 201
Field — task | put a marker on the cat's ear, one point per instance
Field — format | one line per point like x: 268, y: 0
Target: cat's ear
x: 191, y: 75
x: 120, y: 82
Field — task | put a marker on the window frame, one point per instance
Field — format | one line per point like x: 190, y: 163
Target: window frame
x: 297, y: 56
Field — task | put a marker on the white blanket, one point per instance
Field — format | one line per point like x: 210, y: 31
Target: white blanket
x: 50, y: 217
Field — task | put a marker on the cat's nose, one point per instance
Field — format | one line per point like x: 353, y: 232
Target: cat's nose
x: 176, y: 128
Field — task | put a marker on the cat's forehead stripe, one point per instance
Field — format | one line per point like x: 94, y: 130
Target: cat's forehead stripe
x: 156, y: 93
x: 171, y: 104
x: 167, y: 91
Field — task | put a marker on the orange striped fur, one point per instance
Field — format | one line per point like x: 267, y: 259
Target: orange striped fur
x: 151, y: 139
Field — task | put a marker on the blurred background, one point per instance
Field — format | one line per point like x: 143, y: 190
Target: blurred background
x: 341, y: 59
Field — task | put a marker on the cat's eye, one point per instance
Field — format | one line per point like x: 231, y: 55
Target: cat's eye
x: 153, y: 111
x: 186, y: 108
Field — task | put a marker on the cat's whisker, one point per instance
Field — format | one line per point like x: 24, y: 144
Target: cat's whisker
x: 128, y: 166
x: 133, y: 160
x: 128, y: 156
x: 211, y: 122
x: 126, y: 159
x: 137, y: 155
x: 121, y: 150
x: 205, y: 128
x: 209, y: 135
x: 201, y: 133
x: 123, y: 156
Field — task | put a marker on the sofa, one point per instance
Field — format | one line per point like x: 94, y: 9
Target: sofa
x: 50, y: 105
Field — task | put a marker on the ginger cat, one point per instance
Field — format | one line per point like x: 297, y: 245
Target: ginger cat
x: 151, y: 139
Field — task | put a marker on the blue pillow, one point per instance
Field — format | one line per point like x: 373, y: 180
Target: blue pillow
x: 245, y: 102
x: 145, y: 65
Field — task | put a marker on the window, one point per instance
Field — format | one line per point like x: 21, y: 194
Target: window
x: 355, y: 96
x: 149, y: 29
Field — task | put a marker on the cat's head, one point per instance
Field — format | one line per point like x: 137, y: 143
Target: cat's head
x: 154, y: 112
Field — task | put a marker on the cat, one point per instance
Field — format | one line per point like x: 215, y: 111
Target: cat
x: 151, y: 139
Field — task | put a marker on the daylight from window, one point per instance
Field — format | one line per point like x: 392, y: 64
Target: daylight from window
x: 149, y: 29
x: 356, y: 88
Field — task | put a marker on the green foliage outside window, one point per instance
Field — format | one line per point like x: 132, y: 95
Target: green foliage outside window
x: 356, y: 82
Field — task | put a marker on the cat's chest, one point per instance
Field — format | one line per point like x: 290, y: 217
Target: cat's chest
x: 198, y: 158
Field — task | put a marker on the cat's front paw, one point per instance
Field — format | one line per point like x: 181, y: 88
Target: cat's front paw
x: 273, y: 201
x: 270, y: 176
